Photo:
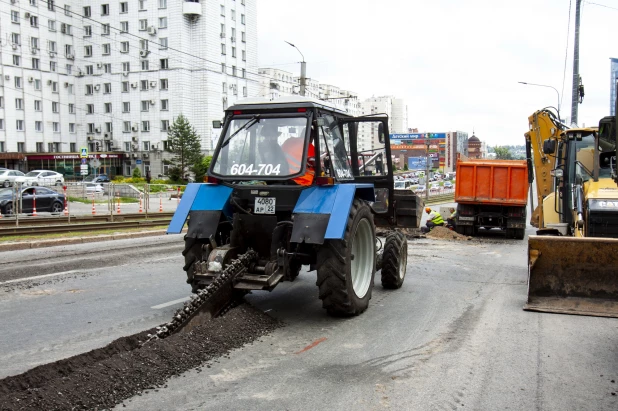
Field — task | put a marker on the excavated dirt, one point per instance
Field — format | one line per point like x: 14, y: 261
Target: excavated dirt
x: 105, y: 377
x: 443, y: 233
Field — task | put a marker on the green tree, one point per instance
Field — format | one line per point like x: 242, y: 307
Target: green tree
x: 405, y: 167
x: 503, y: 153
x: 184, y: 142
x: 201, y: 168
x: 136, y: 173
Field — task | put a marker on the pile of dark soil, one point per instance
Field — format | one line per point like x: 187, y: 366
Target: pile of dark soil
x: 105, y: 377
x: 443, y: 233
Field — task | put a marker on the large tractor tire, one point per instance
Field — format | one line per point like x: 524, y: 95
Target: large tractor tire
x: 346, y: 268
x: 394, y: 260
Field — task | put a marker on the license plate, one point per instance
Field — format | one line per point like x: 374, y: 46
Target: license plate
x: 264, y: 205
x: 466, y: 218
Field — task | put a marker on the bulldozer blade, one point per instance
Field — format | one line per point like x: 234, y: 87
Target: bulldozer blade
x: 568, y: 275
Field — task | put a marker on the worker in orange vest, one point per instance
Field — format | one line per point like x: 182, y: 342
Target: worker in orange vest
x: 293, y: 148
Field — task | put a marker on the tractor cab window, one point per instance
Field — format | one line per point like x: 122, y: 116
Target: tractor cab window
x: 333, y: 155
x: 255, y: 147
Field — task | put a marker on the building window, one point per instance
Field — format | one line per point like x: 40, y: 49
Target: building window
x: 242, y: 37
x: 223, y: 49
x: 164, y: 84
x: 54, y: 87
x: 50, y: 146
x: 109, y: 127
x: 34, y: 43
x: 20, y: 125
x: 145, y: 125
x: 38, y: 126
x: 56, y: 127
x: 1, y: 101
x: 15, y: 16
x: 233, y: 51
x: 70, y: 88
x: 68, y: 50
x: 108, y: 107
x: 233, y: 15
x: 18, y: 82
x: 143, y: 85
x: 15, y: 38
x: 162, y: 22
x: 71, y: 108
x: 21, y: 147
x: 50, y: 5
x: 162, y: 4
x: 164, y: 105
x: 127, y: 147
x: 234, y: 71
x: 89, y: 108
x: 16, y: 60
x: 73, y: 147
x: 51, y: 45
x: 143, y: 24
x: 2, y: 126
x: 71, y: 128
x: 142, y: 5
x: 124, y: 7
x: 87, y: 31
x: 105, y: 30
x: 52, y: 66
x: 124, y: 46
x: 87, y: 51
x: 107, y: 49
x: 67, y: 10
x: 145, y: 105
x: 126, y: 107
x: 34, y: 21
x: 144, y: 65
x: 107, y: 68
x: 89, y: 70
x: 125, y: 86
x: 126, y: 126
x: 222, y: 67
x: 87, y: 11
x: 89, y: 89
x: 244, y: 55
x: 164, y: 64
x: 223, y: 10
x: 165, y: 125
x: 163, y: 42
x: 143, y: 44
x: 244, y: 91
x: 124, y: 26
x: 104, y: 9
x: 19, y: 104
x: 55, y: 107
x: 242, y: 18
x: 69, y: 69
x: 37, y: 105
x: 224, y: 88
x: 39, y: 147
x: 91, y: 128
x: 243, y: 73
x: 107, y: 88
x: 51, y: 25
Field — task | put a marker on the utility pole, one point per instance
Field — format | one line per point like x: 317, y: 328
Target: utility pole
x: 303, y: 71
x: 576, y: 79
x: 427, y: 171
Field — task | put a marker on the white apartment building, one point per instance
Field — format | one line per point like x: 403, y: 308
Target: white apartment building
x: 113, y: 76
x: 397, y: 112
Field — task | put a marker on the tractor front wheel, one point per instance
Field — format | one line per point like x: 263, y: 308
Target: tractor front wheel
x: 346, y: 268
x: 394, y: 260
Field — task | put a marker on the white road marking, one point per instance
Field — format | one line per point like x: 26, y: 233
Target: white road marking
x: 38, y: 277
x: 178, y: 301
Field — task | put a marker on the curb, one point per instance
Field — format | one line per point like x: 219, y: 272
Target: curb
x: 25, y: 245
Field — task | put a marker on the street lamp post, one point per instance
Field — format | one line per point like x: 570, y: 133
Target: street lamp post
x: 303, y: 71
x: 427, y: 171
x: 543, y: 85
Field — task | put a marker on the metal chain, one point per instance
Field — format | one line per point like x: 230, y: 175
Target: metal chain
x: 233, y: 269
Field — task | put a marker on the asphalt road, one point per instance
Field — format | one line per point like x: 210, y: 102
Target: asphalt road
x: 453, y: 337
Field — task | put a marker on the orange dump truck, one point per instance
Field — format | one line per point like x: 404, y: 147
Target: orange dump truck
x: 492, y: 194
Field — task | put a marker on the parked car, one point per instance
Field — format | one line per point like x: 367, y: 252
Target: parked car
x: 46, y: 200
x: 434, y: 187
x: 93, y: 188
x: 101, y: 178
x: 420, y: 189
x: 8, y: 177
x: 43, y: 178
x: 448, y: 185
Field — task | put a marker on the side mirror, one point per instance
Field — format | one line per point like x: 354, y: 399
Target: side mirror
x: 549, y: 146
x: 381, y: 133
x: 216, y: 124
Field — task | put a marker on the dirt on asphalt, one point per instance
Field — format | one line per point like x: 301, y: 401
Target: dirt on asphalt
x: 443, y: 233
x: 104, y: 377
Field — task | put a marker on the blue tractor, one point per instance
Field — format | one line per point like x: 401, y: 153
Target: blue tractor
x: 295, y: 182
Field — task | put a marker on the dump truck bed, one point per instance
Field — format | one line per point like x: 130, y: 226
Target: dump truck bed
x: 493, y: 182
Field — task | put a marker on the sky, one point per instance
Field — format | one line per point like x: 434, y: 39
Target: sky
x: 456, y: 63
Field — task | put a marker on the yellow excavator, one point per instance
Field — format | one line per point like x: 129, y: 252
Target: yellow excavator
x: 573, y: 259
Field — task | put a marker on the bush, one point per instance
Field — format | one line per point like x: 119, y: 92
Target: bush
x: 136, y: 173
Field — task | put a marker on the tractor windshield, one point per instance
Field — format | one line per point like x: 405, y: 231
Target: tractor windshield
x: 262, y: 147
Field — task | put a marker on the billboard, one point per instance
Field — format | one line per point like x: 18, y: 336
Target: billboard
x: 417, y: 163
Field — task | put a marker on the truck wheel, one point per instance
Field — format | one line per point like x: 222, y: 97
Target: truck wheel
x: 520, y: 233
x: 461, y: 229
x: 394, y: 260
x: 346, y: 268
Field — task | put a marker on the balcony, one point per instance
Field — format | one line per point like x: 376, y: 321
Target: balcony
x: 192, y: 8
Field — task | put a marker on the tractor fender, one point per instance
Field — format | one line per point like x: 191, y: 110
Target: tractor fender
x: 321, y: 213
x: 205, y: 201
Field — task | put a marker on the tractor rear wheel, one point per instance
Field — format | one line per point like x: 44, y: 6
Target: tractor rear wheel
x: 346, y: 268
x: 394, y: 260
